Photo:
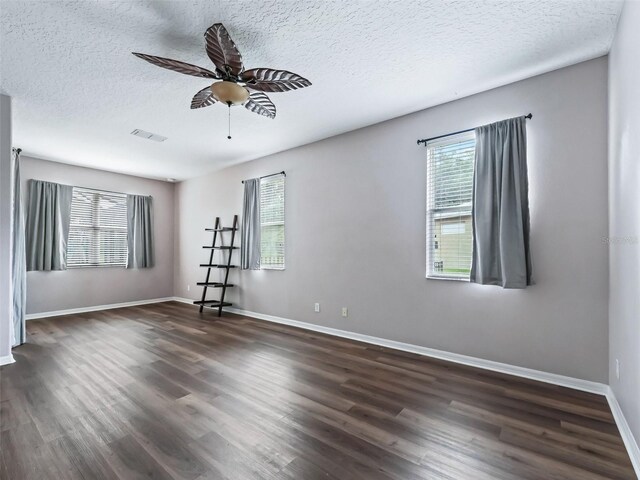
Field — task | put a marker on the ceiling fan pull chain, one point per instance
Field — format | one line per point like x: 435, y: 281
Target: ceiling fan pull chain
x: 229, y: 135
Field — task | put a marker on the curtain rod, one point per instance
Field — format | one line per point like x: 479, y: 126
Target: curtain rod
x: 101, y: 190
x: 271, y: 175
x: 425, y: 140
x: 19, y: 150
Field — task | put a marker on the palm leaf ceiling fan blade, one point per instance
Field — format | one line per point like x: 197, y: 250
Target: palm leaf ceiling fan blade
x: 261, y: 104
x: 177, y: 66
x: 203, y: 98
x: 270, y: 80
x: 222, y: 51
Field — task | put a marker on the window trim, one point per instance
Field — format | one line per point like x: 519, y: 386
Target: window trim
x: 95, y: 228
x: 429, y: 274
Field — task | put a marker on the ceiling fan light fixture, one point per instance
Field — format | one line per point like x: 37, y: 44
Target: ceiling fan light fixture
x: 230, y: 93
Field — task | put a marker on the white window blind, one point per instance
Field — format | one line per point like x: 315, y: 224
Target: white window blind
x: 98, y: 230
x: 272, y: 222
x: 449, y: 200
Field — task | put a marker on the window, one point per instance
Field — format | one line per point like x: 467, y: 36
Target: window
x: 272, y: 223
x: 449, y: 199
x: 98, y: 230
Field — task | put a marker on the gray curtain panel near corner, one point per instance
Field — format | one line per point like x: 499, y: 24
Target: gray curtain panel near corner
x: 501, y: 206
x: 47, y: 228
x: 140, y: 231
x: 19, y: 266
x: 250, y: 234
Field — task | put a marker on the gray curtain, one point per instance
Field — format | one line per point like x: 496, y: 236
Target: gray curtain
x: 501, y: 206
x: 250, y: 234
x: 47, y: 228
x: 140, y: 231
x: 19, y: 260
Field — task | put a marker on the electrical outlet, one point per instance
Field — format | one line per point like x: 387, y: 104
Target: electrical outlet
x: 316, y: 308
x: 617, y: 369
x: 345, y: 312
x: 188, y: 288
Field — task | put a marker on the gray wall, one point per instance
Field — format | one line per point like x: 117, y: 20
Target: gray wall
x: 6, y: 172
x: 82, y: 287
x: 355, y: 213
x: 624, y: 214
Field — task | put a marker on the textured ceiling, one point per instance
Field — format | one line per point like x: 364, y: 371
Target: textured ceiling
x: 78, y: 92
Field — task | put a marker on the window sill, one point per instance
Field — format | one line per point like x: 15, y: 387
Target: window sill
x: 79, y: 267
x: 450, y: 279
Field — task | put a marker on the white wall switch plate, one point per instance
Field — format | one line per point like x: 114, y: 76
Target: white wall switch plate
x: 345, y: 312
x: 316, y: 308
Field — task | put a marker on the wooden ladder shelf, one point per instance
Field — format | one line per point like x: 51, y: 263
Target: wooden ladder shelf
x: 217, y: 236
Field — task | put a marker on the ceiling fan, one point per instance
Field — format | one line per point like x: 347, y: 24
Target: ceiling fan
x: 237, y: 86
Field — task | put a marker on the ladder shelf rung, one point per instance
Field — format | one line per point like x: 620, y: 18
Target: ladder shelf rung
x: 212, y: 303
x: 223, y: 229
x: 220, y: 248
x: 217, y: 265
x: 215, y: 284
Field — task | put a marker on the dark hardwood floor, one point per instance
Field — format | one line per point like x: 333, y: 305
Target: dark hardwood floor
x: 162, y: 391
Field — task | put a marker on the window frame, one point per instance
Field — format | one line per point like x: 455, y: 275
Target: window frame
x: 431, y: 274
x: 264, y: 180
x: 95, y: 228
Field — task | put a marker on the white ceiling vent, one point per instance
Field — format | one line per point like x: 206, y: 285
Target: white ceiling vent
x: 148, y: 135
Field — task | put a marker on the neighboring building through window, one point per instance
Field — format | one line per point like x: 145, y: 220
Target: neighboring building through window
x: 272, y: 222
x: 98, y: 230
x: 449, y: 201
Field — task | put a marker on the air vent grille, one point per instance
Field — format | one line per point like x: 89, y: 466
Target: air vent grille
x: 148, y: 135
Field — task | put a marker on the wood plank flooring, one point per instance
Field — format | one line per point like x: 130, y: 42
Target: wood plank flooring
x: 164, y: 392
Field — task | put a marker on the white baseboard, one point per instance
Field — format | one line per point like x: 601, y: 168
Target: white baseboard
x: 553, y: 378
x: 95, y: 308
x: 183, y: 300
x: 625, y: 431
x: 570, y: 382
x: 7, y: 359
